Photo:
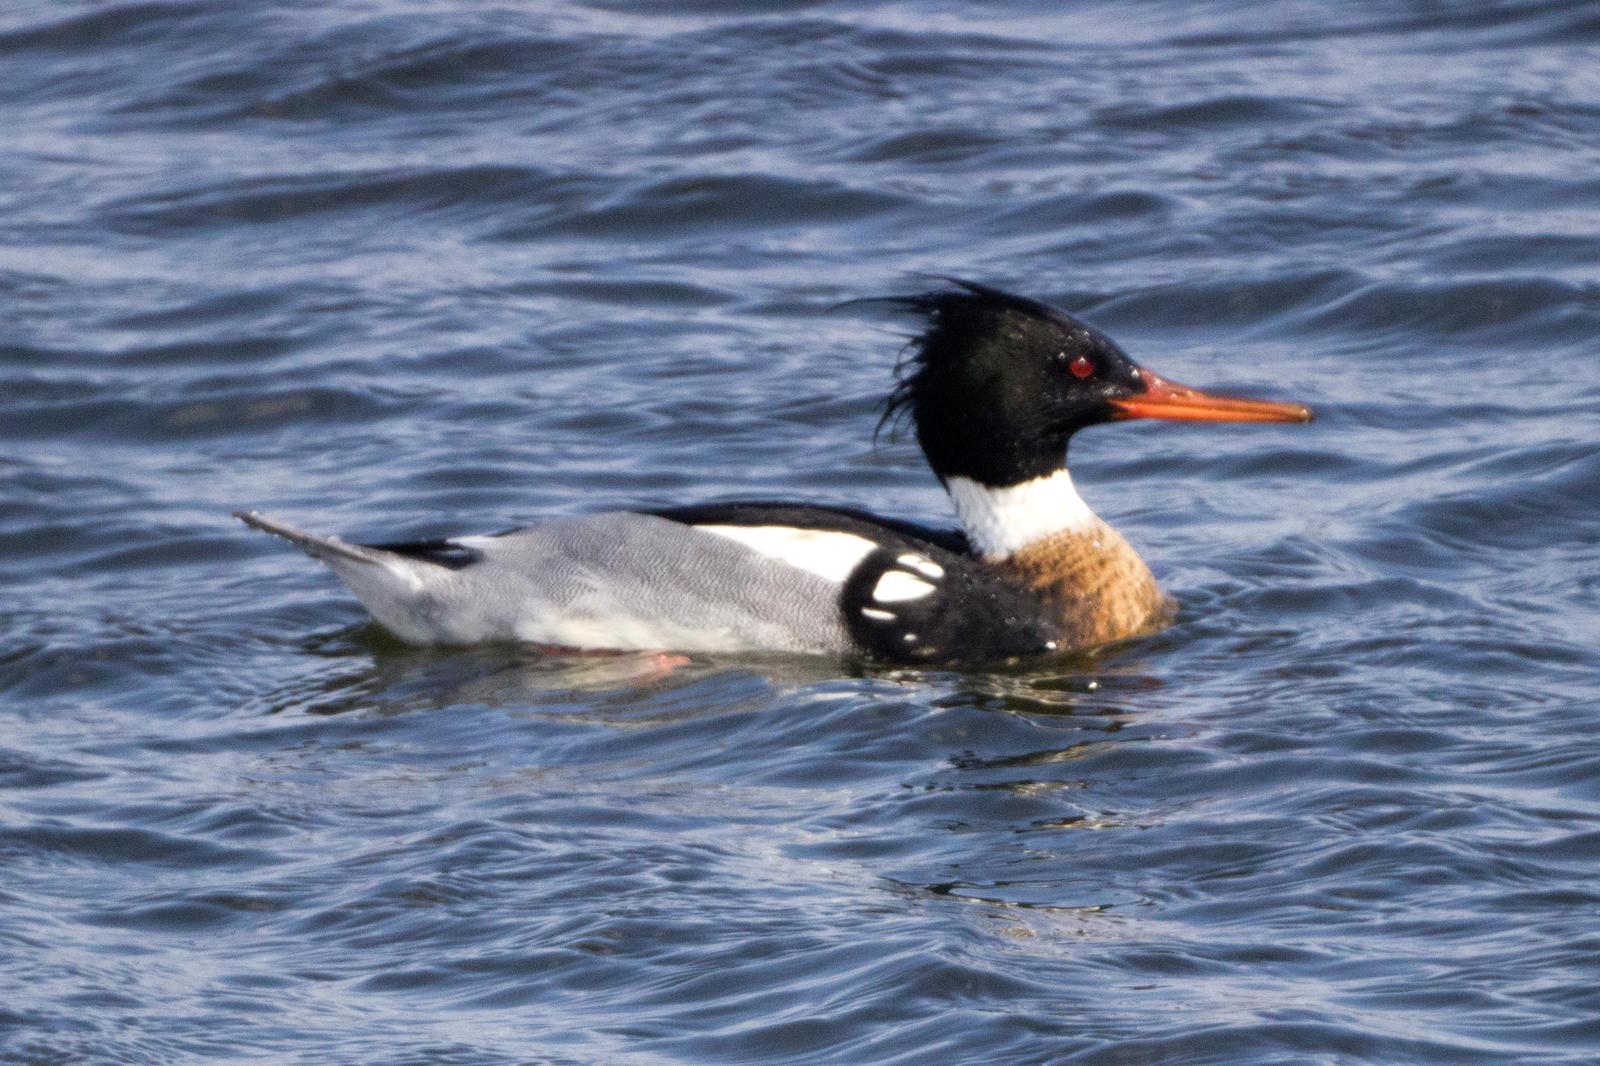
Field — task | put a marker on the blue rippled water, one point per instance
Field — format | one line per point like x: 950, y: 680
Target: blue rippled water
x: 424, y: 266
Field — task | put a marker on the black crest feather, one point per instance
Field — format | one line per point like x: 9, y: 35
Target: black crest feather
x: 989, y: 383
x: 944, y: 311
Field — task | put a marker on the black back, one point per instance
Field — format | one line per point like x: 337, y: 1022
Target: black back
x: 445, y: 553
x: 808, y: 516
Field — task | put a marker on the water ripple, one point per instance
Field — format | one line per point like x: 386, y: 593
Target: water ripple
x: 427, y: 269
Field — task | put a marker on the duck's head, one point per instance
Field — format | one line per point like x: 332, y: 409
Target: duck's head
x: 997, y: 384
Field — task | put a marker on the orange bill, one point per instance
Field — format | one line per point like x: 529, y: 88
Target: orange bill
x: 1167, y: 399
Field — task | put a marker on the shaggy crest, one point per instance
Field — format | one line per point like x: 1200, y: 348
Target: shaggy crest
x: 953, y: 317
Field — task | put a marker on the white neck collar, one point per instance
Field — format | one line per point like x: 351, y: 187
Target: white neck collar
x: 999, y: 521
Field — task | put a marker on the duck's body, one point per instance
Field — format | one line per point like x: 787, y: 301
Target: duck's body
x: 1032, y: 571
x: 740, y: 577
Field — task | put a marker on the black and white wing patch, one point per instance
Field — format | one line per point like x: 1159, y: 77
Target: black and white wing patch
x: 906, y: 606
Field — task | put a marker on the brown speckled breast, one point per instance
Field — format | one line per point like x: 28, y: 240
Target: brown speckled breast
x: 1104, y: 591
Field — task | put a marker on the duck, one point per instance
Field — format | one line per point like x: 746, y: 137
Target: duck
x: 994, y: 384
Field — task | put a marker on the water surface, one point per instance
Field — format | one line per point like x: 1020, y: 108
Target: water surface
x: 417, y: 268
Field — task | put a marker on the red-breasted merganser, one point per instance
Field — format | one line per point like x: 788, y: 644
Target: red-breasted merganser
x: 995, y: 385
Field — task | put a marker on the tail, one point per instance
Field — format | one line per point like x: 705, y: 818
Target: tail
x: 330, y: 550
x: 379, y: 578
x: 391, y: 587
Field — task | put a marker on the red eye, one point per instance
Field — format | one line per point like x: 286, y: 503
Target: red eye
x: 1081, y: 367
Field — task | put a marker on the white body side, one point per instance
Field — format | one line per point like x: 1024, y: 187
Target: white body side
x: 830, y: 555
